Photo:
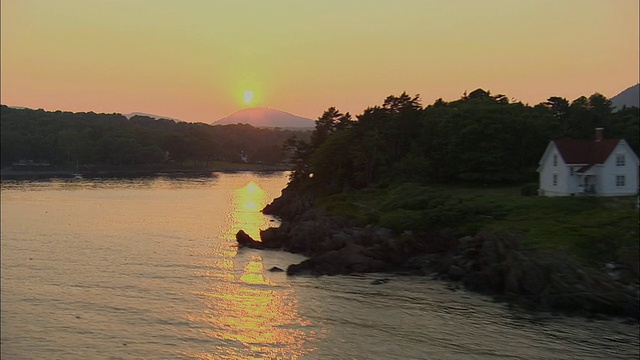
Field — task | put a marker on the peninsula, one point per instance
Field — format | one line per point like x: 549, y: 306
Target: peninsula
x: 450, y: 191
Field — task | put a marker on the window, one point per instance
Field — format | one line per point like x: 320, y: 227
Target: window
x: 555, y: 160
x: 620, y: 160
x: 571, y: 171
x: 555, y: 179
x: 620, y: 180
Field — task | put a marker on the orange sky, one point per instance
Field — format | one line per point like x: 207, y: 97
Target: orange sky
x: 194, y: 59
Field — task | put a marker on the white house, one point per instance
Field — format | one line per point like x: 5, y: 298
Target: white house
x: 602, y: 167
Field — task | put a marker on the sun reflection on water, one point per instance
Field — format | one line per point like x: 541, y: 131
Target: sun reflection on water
x: 248, y: 203
x: 248, y: 314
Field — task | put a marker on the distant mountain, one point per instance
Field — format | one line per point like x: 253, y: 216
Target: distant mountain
x: 266, y: 117
x: 630, y: 97
x: 130, y: 115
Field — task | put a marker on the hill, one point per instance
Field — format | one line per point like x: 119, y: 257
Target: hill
x: 266, y: 118
x: 157, y: 117
x: 629, y: 98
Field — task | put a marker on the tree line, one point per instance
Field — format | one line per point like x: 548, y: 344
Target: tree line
x: 64, y: 138
x: 480, y: 139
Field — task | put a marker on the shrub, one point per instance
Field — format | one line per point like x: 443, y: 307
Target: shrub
x: 529, y: 190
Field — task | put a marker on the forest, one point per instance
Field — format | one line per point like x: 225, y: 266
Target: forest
x: 111, y: 140
x: 449, y: 190
x: 479, y: 139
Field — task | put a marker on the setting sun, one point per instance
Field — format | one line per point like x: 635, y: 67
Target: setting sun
x: 248, y: 97
x: 254, y: 177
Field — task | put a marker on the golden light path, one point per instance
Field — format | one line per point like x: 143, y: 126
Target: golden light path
x: 249, y: 201
x: 255, y: 317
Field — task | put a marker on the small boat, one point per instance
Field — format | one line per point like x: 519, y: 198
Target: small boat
x: 77, y: 175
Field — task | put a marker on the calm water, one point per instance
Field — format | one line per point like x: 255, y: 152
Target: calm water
x: 149, y: 269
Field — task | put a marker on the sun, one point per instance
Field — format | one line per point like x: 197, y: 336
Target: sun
x: 248, y: 97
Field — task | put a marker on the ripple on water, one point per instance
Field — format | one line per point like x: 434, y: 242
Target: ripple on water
x: 148, y: 268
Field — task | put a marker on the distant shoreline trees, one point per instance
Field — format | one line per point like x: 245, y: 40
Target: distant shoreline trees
x: 478, y: 139
x: 112, y: 140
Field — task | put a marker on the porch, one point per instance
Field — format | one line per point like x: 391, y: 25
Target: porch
x: 587, y: 184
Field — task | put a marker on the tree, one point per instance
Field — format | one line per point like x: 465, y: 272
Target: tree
x: 330, y: 121
x: 559, y: 106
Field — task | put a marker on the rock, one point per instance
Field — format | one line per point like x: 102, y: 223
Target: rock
x: 305, y: 267
x: 469, y: 265
x: 420, y: 262
x: 490, y: 251
x: 511, y: 284
x: 379, y: 281
x: 434, y: 242
x: 245, y: 240
x: 390, y: 251
x: 629, y: 257
x: 475, y: 281
x: 291, y: 204
x: 306, y: 236
x: 494, y: 278
x: 346, y: 260
x: 494, y: 263
x: 276, y: 269
x: 453, y: 288
x: 470, y: 253
x: 456, y: 273
x: 470, y: 242
x: 273, y: 237
x: 533, y: 278
x: 335, y: 242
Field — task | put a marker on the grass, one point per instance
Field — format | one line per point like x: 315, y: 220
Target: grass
x: 593, y: 230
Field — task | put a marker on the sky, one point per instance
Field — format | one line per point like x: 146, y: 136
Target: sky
x: 195, y: 60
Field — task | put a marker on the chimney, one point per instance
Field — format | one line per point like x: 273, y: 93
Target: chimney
x: 599, y: 134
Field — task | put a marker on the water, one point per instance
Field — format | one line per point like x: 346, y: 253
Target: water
x: 149, y: 269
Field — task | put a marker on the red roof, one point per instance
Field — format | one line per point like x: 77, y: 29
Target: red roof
x: 589, y: 152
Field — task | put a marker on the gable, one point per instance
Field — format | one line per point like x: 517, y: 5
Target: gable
x: 623, y: 148
x: 550, y: 147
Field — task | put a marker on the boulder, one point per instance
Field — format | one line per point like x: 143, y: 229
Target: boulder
x: 434, y: 242
x: 304, y: 268
x: 290, y: 204
x: 273, y: 237
x: 303, y: 235
x: 329, y: 243
x: 470, y: 242
x: 532, y: 278
x: 456, y: 273
x: 245, y: 240
x: 349, y: 259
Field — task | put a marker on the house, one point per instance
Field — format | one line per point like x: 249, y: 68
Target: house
x: 601, y: 167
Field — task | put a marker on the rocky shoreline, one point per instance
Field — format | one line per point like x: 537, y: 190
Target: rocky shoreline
x: 498, y: 264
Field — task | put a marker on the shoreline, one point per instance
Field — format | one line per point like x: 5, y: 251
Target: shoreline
x: 9, y: 173
x: 500, y: 264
